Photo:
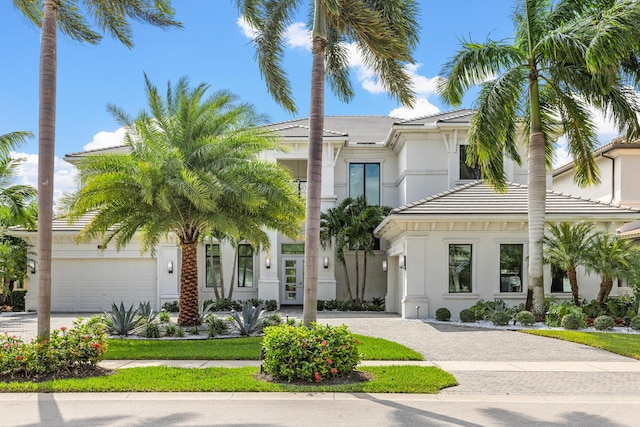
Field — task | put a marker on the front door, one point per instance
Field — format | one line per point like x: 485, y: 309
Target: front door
x: 292, y: 275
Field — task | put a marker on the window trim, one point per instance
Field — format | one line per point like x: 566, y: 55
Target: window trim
x: 472, y: 267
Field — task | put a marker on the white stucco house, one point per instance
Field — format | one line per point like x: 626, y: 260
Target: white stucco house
x: 450, y: 240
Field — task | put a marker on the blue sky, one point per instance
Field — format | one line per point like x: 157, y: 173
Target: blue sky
x: 214, y: 47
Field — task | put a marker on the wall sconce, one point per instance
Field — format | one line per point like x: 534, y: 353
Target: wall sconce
x: 384, y: 265
x: 31, y: 264
x: 267, y: 262
x: 402, y: 262
x: 325, y: 262
x: 170, y: 267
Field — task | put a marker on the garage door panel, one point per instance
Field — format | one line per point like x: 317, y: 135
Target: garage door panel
x: 93, y: 284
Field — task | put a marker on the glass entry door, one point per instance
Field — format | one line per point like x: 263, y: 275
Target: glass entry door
x: 293, y: 277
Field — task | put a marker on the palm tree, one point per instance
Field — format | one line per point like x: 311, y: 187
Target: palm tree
x: 566, y: 57
x: 611, y: 258
x: 350, y: 225
x: 111, y: 17
x: 566, y: 247
x: 193, y: 167
x: 385, y: 32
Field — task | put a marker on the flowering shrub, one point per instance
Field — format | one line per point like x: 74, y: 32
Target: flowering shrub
x: 310, y: 354
x: 82, y: 345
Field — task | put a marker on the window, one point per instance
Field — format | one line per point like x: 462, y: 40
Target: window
x: 213, y: 259
x: 511, y: 257
x: 559, y: 280
x: 245, y: 266
x: 364, y: 179
x: 460, y: 268
x: 466, y: 171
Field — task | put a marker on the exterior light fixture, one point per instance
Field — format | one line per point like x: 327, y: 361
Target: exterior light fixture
x: 402, y: 262
x: 384, y: 265
x: 325, y: 262
x: 170, y: 267
x: 267, y: 262
x: 31, y: 264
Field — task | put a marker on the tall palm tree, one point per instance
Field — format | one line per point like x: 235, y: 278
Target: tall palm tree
x: 567, y: 56
x: 350, y: 225
x: 565, y: 246
x: 111, y: 17
x: 611, y: 258
x: 193, y: 167
x: 385, y: 33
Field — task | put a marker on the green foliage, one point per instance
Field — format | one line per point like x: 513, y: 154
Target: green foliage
x: 525, y: 318
x: 379, y: 301
x: 604, y: 323
x: 592, y: 309
x: 216, y: 326
x: 222, y: 304
x: 121, y: 321
x: 180, y: 332
x: 557, y: 311
x: 573, y: 321
x: 467, y: 316
x: 313, y: 354
x: 192, y: 330
x: 82, y: 345
x: 273, y: 320
x: 165, y: 316
x: 271, y: 305
x: 249, y: 320
x: 170, y: 330
x: 635, y: 323
x: 483, y: 310
x: 320, y: 305
x: 621, y: 306
x: 443, y: 314
x: 171, y: 307
x: 151, y: 330
x: 17, y: 301
x: 500, y: 318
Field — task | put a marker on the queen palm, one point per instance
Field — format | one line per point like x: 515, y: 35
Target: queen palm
x: 193, y: 168
x: 385, y: 33
x: 111, y: 17
x: 567, y: 57
x: 566, y: 246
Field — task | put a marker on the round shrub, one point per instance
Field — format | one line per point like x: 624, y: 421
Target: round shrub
x: 572, y: 321
x: 467, y: 316
x: 635, y: 323
x: 603, y: 323
x: 525, y: 318
x: 500, y: 318
x: 313, y: 354
x: 443, y: 314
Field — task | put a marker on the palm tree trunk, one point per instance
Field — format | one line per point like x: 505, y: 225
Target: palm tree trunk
x: 357, y: 277
x: 537, y: 188
x: 233, y: 273
x: 346, y: 279
x: 189, y: 313
x: 213, y: 275
x: 314, y: 171
x: 573, y: 281
x: 605, y: 289
x: 364, y: 275
x: 46, y: 146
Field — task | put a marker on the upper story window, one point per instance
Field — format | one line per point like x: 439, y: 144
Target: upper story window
x: 364, y: 179
x: 466, y: 171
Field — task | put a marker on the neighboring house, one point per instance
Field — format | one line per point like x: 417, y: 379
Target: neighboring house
x: 450, y: 241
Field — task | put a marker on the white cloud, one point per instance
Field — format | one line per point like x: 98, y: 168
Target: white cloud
x: 421, y: 108
x: 64, y: 179
x: 106, y: 139
x: 247, y: 29
x: 298, y: 36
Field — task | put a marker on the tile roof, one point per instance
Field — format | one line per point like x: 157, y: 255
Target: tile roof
x: 477, y: 198
x: 358, y: 129
x: 461, y: 116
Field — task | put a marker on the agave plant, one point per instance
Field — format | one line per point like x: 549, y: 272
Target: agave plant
x: 146, y: 312
x: 250, y: 319
x: 121, y: 321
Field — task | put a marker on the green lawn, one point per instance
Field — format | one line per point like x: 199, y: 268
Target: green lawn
x: 236, y: 349
x: 386, y: 379
x: 623, y: 344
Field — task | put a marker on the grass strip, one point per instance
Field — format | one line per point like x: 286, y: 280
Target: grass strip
x: 386, y: 379
x: 235, y: 349
x: 622, y: 344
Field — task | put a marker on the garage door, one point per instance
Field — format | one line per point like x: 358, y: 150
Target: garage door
x: 93, y: 284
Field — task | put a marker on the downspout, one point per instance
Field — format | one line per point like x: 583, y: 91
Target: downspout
x: 613, y: 176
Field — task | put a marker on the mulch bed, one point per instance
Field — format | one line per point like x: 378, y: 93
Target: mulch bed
x: 352, y: 378
x: 78, y: 372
